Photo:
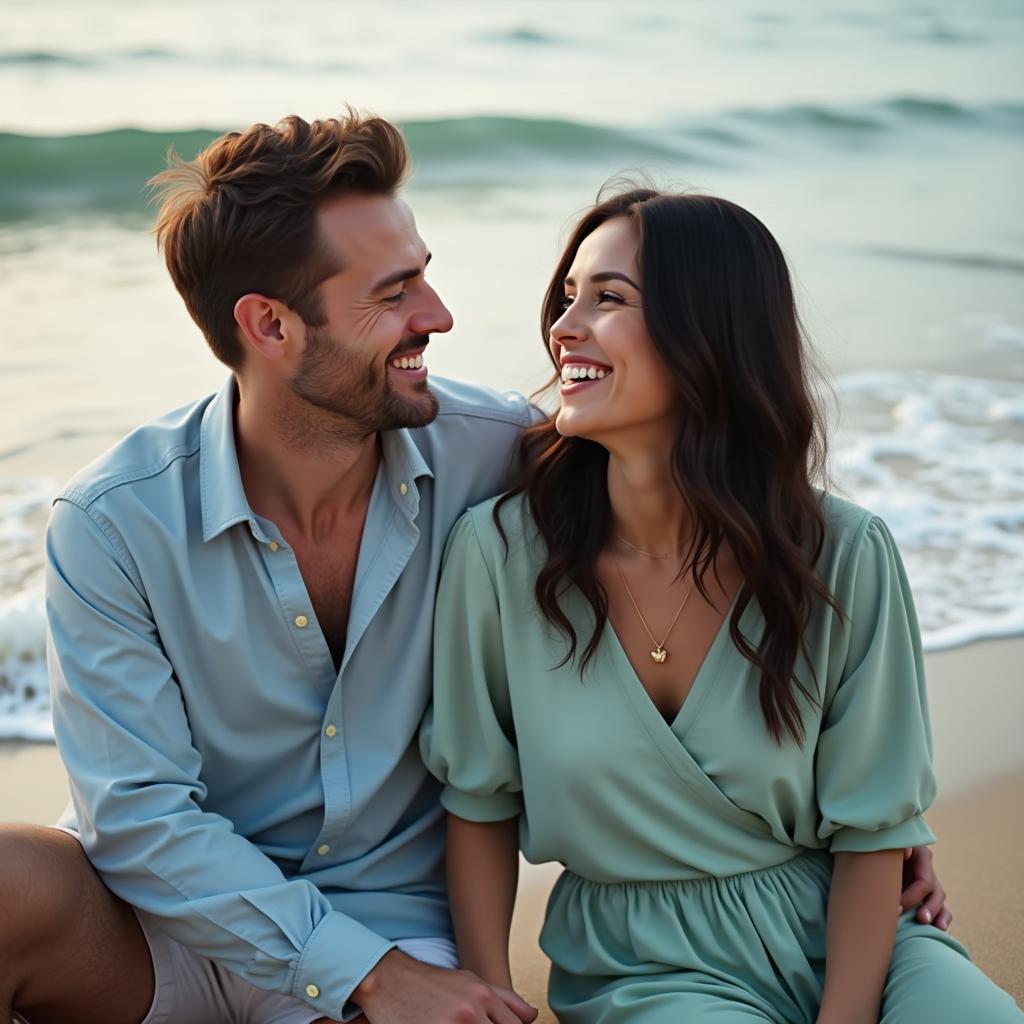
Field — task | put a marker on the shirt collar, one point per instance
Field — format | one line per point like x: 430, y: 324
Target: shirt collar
x: 222, y: 496
x: 223, y: 499
x: 403, y: 466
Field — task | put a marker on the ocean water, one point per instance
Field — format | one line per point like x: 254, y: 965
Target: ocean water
x: 882, y: 142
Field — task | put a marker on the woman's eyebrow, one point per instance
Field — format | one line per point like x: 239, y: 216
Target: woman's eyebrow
x: 605, y: 275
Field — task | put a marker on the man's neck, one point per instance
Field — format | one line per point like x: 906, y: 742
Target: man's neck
x: 306, y: 489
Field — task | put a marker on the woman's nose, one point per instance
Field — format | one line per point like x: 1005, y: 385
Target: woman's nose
x: 568, y: 328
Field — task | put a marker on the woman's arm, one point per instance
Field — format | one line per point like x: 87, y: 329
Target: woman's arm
x: 861, y: 930
x: 483, y: 873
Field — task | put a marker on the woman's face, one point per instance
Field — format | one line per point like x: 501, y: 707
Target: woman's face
x: 614, y: 383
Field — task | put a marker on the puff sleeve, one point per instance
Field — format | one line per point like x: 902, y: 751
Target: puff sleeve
x: 467, y: 739
x: 873, y: 772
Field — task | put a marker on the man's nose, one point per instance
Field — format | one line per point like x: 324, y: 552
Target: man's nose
x: 433, y: 318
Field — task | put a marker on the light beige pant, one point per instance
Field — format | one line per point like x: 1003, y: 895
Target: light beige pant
x: 193, y: 990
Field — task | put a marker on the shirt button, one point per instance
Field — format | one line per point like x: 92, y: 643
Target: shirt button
x: 301, y: 621
x: 323, y: 849
x: 404, y: 489
x: 312, y: 991
x: 274, y: 545
x: 331, y: 730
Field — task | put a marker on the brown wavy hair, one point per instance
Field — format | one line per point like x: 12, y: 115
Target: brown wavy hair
x: 718, y: 305
x: 241, y: 216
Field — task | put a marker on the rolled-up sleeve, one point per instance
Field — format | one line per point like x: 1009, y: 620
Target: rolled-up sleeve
x: 136, y: 782
x: 467, y: 739
x: 873, y: 771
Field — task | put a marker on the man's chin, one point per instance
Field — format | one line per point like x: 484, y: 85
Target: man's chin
x: 416, y: 409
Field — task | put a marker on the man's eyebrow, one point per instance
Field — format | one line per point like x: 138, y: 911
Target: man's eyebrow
x: 400, y: 275
x: 606, y: 275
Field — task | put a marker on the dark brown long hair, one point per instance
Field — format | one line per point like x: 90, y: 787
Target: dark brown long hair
x: 719, y: 308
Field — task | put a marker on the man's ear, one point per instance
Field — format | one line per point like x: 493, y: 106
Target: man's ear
x: 269, y: 329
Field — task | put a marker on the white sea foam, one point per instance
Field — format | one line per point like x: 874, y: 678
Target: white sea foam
x: 24, y: 695
x: 995, y: 330
x: 24, y: 698
x: 939, y: 457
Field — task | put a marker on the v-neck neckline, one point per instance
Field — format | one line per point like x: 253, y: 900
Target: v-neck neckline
x: 701, y: 686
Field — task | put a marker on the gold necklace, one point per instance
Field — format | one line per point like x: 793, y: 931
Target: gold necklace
x: 630, y: 544
x: 659, y: 654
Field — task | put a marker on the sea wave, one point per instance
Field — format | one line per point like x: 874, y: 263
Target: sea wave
x: 107, y: 170
x: 106, y: 60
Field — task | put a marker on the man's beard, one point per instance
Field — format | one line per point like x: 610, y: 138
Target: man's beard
x: 333, y: 379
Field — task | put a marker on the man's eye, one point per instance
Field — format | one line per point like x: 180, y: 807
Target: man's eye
x: 397, y: 297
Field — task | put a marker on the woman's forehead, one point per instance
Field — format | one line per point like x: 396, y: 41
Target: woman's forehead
x: 614, y: 244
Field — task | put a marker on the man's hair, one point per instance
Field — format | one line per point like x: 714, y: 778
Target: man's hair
x: 241, y: 216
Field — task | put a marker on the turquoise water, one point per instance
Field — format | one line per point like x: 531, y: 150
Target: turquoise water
x: 881, y: 142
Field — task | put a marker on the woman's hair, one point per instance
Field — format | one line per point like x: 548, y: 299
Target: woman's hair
x: 718, y: 305
x: 241, y: 216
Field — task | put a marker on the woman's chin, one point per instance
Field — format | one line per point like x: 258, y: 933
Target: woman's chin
x: 571, y: 422
x: 564, y: 422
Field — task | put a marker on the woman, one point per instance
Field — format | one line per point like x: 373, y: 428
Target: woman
x: 671, y: 664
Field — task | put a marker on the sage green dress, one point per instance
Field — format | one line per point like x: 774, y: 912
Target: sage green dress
x: 697, y: 854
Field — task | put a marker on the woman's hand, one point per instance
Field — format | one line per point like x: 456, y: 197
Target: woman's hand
x: 922, y: 888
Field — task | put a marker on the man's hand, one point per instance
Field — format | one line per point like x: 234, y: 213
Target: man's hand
x: 922, y: 889
x: 401, y: 990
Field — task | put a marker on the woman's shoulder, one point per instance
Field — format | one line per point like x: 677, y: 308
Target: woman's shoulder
x: 503, y: 528
x: 854, y: 537
x: 845, y: 521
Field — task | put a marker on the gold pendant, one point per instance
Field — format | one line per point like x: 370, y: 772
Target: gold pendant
x: 659, y: 654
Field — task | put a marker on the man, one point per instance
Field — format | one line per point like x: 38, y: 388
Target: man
x: 240, y: 602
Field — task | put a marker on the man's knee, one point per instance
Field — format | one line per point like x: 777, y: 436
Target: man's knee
x: 44, y: 874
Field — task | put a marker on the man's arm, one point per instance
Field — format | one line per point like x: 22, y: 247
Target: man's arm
x: 922, y: 889
x: 123, y: 732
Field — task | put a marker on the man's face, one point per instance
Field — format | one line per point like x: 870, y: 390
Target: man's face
x: 365, y: 361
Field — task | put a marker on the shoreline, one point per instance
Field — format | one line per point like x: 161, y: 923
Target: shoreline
x: 976, y: 726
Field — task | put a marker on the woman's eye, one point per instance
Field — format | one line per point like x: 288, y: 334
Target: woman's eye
x: 609, y: 297
x: 567, y: 301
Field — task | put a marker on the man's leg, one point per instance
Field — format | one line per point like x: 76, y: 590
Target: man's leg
x: 70, y: 951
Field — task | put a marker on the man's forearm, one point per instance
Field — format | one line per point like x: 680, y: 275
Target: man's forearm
x: 483, y: 873
x: 861, y: 930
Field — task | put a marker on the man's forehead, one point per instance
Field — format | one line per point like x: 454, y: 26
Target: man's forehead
x: 370, y: 230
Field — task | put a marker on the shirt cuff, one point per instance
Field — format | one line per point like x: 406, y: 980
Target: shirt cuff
x: 912, y: 832
x: 498, y: 806
x: 338, y: 955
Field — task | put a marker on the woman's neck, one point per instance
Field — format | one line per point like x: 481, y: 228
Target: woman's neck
x: 648, y: 512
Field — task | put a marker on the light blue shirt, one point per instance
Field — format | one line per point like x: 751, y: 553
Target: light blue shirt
x: 260, y: 807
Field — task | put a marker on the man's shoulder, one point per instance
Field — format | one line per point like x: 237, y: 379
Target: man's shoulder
x: 148, y: 451
x: 475, y: 427
x: 461, y: 400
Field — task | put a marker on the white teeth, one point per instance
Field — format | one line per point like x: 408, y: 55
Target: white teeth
x: 575, y: 371
x: 408, y: 362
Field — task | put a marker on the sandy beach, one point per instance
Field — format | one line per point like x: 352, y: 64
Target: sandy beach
x: 977, y: 820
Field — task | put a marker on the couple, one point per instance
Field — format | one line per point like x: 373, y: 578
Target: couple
x: 662, y: 658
